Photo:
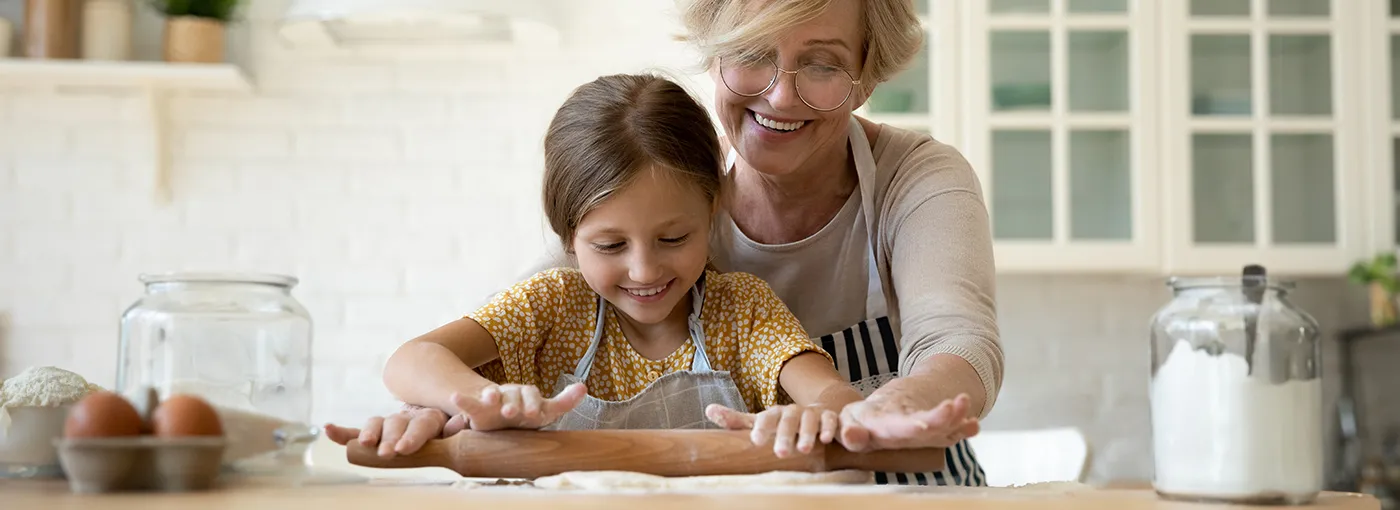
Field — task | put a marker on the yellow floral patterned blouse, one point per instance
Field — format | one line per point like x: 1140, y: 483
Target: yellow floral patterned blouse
x: 543, y: 326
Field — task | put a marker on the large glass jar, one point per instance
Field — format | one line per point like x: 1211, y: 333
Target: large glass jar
x: 238, y: 340
x: 1236, y: 393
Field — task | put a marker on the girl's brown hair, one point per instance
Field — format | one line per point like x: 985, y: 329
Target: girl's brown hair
x: 615, y: 128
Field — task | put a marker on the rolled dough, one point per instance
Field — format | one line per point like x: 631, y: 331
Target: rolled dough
x: 626, y: 480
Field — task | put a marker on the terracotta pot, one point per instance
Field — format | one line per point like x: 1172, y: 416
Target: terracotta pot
x: 1382, y: 306
x: 52, y: 28
x: 194, y: 39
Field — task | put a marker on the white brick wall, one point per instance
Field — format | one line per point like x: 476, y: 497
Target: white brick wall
x: 401, y: 189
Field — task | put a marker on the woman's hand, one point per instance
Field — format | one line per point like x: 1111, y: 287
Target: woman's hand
x: 784, y: 425
x: 515, y: 406
x: 890, y: 422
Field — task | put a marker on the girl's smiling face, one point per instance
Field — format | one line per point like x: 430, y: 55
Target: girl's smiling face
x: 646, y: 245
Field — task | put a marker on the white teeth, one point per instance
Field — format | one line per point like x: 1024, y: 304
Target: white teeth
x: 773, y: 124
x: 646, y: 292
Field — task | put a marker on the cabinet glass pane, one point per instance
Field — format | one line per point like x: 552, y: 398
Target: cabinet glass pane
x: 1020, y: 70
x: 1100, y: 182
x: 1304, y: 204
x: 1098, y: 71
x: 1096, y: 6
x: 1395, y: 77
x: 1020, y: 6
x: 1300, y: 7
x: 1220, y: 82
x: 1300, y: 75
x: 1222, y: 188
x: 908, y: 91
x: 1395, y: 11
x: 1021, y: 176
x: 1220, y: 7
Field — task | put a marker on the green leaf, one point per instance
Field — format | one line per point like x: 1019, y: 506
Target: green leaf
x: 222, y: 10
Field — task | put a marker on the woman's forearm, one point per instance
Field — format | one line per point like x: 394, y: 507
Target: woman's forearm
x: 935, y: 379
x: 428, y: 373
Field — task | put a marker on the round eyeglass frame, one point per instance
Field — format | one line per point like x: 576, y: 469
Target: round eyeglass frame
x: 778, y: 70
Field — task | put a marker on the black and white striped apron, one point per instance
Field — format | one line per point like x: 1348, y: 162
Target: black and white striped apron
x: 867, y: 354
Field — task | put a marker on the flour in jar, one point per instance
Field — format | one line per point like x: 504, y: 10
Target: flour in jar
x: 1219, y: 433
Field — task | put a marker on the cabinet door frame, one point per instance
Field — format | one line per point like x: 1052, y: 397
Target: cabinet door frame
x: 941, y: 38
x: 1142, y: 253
x: 1352, y: 230
x: 1381, y: 128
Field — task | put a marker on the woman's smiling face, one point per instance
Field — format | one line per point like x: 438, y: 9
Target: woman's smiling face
x: 776, y: 132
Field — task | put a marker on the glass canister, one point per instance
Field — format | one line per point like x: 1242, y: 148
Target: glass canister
x: 239, y: 340
x: 1236, y: 393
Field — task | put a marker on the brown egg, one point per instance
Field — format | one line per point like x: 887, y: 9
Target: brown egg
x: 102, y: 414
x: 185, y: 415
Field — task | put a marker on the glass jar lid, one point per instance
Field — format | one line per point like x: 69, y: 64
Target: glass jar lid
x: 219, y: 277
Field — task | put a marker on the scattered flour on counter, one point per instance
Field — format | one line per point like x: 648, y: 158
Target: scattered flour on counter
x: 44, y: 386
x: 633, y: 482
x: 1065, y: 486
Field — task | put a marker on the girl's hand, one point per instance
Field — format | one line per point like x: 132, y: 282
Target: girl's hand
x: 782, y: 425
x: 878, y: 423
x: 400, y: 433
x: 515, y: 406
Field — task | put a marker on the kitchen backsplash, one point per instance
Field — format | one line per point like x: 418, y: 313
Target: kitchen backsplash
x: 401, y: 188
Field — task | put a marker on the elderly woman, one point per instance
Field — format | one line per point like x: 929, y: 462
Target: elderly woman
x: 876, y: 237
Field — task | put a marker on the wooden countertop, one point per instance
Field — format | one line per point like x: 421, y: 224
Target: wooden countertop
x: 399, y: 494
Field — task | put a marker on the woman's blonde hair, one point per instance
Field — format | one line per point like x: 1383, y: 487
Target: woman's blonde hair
x: 614, y: 129
x: 731, y: 28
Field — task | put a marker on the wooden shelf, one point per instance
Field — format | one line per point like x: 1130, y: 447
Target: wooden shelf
x: 153, y: 81
x: 141, y: 75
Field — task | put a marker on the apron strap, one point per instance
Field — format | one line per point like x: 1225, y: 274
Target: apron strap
x: 701, y: 363
x: 586, y: 363
x: 875, y: 303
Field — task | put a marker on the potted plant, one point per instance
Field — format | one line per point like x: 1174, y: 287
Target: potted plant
x: 195, y: 29
x: 1379, y: 274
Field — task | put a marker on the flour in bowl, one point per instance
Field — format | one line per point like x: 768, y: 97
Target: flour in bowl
x: 45, y: 387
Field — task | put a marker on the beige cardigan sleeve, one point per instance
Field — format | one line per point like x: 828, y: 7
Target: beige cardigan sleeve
x: 935, y: 230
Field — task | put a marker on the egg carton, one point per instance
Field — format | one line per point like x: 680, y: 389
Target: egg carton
x: 141, y: 463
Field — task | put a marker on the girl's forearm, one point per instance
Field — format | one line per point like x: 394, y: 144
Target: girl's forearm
x: 428, y: 373
x: 837, y: 395
x: 810, y: 379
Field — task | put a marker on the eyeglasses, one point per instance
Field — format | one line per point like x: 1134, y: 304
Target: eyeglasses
x: 821, y: 87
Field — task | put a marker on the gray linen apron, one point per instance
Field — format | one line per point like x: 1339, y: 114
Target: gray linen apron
x: 674, y: 401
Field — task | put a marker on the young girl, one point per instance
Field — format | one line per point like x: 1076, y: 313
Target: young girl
x: 641, y: 335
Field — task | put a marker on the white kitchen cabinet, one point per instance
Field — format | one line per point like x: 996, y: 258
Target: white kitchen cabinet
x: 1162, y: 136
x: 1381, y: 50
x: 1262, y: 135
x: 919, y: 98
x: 1059, y: 130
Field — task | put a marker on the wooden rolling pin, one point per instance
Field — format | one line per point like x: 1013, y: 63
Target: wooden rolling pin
x: 532, y: 454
